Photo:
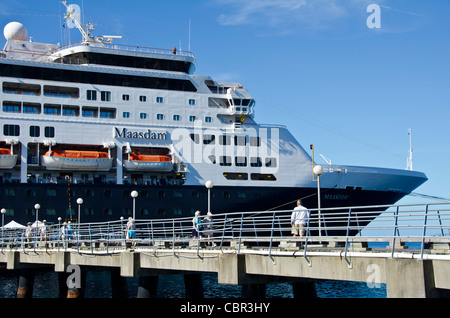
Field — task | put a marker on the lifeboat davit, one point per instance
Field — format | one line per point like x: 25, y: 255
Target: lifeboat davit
x: 76, y: 160
x: 138, y: 162
x: 7, y: 159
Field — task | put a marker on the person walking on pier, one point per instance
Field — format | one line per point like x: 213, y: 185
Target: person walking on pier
x: 131, y: 230
x: 196, y: 225
x: 299, y: 218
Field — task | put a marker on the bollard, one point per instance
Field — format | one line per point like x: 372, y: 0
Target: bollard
x: 148, y: 287
x: 25, y: 283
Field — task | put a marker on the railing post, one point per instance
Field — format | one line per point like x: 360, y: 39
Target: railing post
x: 240, y: 232
x: 424, y: 231
x: 395, y: 231
x: 346, y: 239
x: 271, y: 236
x: 223, y: 232
x: 306, y: 241
x: 90, y: 238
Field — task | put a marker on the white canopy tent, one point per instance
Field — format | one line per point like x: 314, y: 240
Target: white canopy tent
x: 14, y: 225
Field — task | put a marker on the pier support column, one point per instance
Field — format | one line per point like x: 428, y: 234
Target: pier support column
x: 148, y: 287
x: 25, y: 283
x: 119, y: 286
x: 193, y: 286
x: 254, y: 291
x: 304, y: 289
x: 77, y: 291
x: 410, y: 278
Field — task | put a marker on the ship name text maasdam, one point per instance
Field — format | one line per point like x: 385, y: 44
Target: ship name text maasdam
x: 133, y: 134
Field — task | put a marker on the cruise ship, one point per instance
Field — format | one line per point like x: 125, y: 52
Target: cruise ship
x: 97, y: 121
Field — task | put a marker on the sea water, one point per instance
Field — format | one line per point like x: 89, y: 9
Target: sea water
x: 172, y: 286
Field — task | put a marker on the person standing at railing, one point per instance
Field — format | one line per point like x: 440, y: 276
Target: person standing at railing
x: 43, y: 231
x: 131, y: 230
x: 196, y: 225
x: 28, y: 233
x: 207, y: 225
x: 299, y: 218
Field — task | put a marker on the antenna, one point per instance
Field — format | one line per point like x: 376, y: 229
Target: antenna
x: 326, y: 159
x: 409, y: 165
x: 73, y: 20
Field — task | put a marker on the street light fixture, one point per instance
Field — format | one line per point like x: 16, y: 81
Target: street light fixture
x: 3, y: 225
x: 37, y: 206
x: 318, y: 170
x: 80, y: 202
x: 209, y: 184
x: 134, y: 195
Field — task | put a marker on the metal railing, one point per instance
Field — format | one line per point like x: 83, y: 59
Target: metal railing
x: 416, y: 224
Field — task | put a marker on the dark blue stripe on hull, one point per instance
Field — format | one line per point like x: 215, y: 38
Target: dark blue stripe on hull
x: 110, y: 202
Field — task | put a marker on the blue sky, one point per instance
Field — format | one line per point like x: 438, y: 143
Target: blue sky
x: 312, y: 65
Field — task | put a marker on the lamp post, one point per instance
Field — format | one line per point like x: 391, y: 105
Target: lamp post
x: 3, y: 225
x: 209, y: 184
x: 37, y: 206
x: 134, y: 195
x: 80, y: 202
x: 318, y: 170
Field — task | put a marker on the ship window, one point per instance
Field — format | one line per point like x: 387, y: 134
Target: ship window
x: 50, y: 212
x: 35, y: 131
x: 21, y: 88
x: 93, y: 78
x: 208, y: 119
x: 271, y: 162
x: 31, y: 108
x: 212, y: 158
x: 89, y: 112
x: 195, y: 138
x: 177, y: 212
x: 89, y: 211
x: 255, y: 141
x: 159, y: 100
x: 142, y: 98
x: 91, y: 95
x: 10, y: 192
x: 177, y: 194
x: 51, y: 192
x: 225, y: 140
x: 107, y: 212
x: 240, y: 161
x: 125, y: 97
x: 195, y: 195
x: 11, y: 130
x: 218, y: 102
x: 161, y: 212
x: 227, y: 195
x: 255, y: 162
x: 107, y: 113
x: 49, y: 132
x: 225, y: 161
x: 144, y: 211
x: 241, y: 195
x: 59, y: 91
x: 51, y: 109
x: 192, y: 118
x: 209, y: 139
x: 240, y: 140
x: 143, y: 115
x: 160, y: 116
x: 11, y: 107
x: 176, y: 117
x: 105, y: 96
x: 192, y: 102
x: 71, y: 111
x: 235, y: 176
x: 262, y: 176
x: 237, y: 102
x: 126, y: 114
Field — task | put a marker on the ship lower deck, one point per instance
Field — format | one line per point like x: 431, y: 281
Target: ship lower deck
x: 109, y: 202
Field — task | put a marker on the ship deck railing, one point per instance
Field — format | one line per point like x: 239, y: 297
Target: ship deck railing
x: 423, y: 229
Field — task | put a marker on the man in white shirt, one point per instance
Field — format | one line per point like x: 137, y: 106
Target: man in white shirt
x: 299, y: 219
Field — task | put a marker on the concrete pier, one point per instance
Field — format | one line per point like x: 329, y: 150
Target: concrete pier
x: 407, y: 274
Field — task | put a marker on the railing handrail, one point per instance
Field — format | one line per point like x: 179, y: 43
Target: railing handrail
x: 420, y: 221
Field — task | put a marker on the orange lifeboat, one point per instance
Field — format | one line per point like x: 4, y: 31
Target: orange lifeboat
x: 138, y: 162
x: 77, y: 160
x: 77, y: 154
x: 7, y: 159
